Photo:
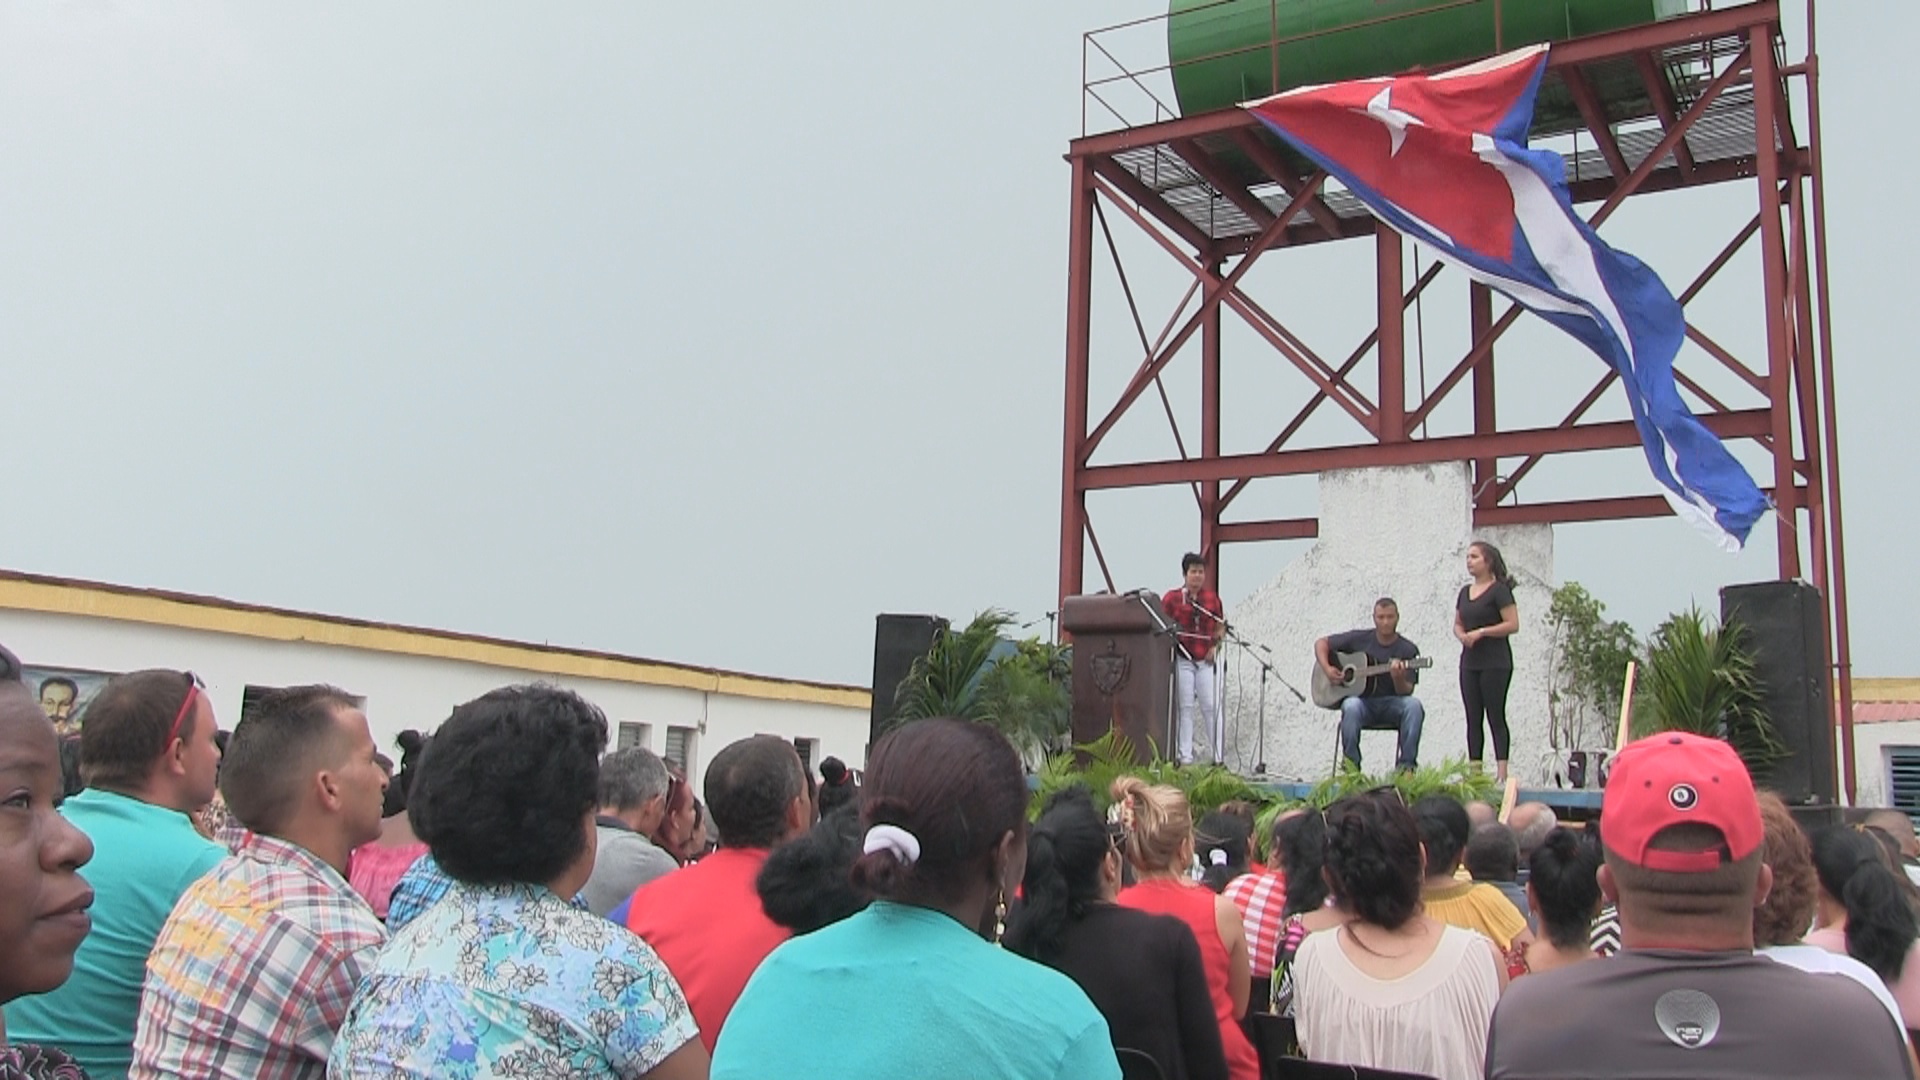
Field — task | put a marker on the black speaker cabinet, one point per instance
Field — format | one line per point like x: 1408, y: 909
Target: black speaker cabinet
x: 1785, y: 624
x: 898, y: 640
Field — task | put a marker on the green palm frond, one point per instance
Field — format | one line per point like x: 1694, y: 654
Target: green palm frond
x: 946, y: 681
x: 1700, y: 678
x: 1453, y: 777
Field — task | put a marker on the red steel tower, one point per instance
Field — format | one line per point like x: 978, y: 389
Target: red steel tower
x: 1705, y: 98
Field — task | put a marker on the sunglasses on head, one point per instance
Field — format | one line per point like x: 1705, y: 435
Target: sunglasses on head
x: 195, y: 688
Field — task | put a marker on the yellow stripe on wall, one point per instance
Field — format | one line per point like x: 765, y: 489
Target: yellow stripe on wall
x: 103, y: 603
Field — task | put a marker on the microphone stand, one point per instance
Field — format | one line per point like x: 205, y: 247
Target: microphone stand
x: 1266, y: 669
x: 1147, y: 599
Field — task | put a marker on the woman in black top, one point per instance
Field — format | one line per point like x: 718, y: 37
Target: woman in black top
x: 1143, y: 972
x: 1484, y: 617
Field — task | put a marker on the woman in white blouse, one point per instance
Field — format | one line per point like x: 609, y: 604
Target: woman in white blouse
x: 1391, y: 988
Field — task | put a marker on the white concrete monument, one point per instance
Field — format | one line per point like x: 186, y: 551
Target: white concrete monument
x: 1401, y: 532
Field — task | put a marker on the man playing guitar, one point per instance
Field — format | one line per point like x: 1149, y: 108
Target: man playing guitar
x: 1388, y: 702
x: 1197, y: 612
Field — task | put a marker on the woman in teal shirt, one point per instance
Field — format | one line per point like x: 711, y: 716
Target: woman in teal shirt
x: 912, y: 986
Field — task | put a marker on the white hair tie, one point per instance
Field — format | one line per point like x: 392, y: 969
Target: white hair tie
x: 895, y: 839
x: 1217, y: 856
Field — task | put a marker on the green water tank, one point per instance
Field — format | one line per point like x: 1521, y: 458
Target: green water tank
x: 1221, y: 54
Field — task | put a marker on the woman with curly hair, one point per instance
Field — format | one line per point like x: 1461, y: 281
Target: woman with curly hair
x: 1159, y: 844
x: 1391, y: 988
x: 503, y: 977
x: 1782, y: 919
x: 913, y: 986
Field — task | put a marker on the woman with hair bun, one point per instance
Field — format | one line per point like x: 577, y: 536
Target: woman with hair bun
x: 1142, y: 971
x: 1563, y: 892
x: 837, y: 787
x: 913, y: 986
x: 1159, y: 844
x: 1391, y: 988
x: 1862, y: 911
x: 1300, y: 846
x: 375, y: 867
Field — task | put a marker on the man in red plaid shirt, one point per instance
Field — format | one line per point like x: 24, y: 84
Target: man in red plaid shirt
x: 1197, y: 613
x: 252, y: 974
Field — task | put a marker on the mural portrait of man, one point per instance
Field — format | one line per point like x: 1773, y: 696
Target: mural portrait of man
x: 64, y: 694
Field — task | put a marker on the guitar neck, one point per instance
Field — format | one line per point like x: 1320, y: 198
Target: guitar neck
x: 1381, y: 669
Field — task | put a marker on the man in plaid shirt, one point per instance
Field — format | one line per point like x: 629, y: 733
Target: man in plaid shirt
x: 253, y: 972
x: 1200, y: 619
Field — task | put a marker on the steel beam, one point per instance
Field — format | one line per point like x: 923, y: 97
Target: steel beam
x: 1773, y: 266
x: 1246, y: 532
x: 1388, y: 286
x: 1203, y: 164
x: 1073, y: 500
x: 1485, y: 469
x: 1573, y: 510
x: 1746, y: 423
x: 1595, y: 117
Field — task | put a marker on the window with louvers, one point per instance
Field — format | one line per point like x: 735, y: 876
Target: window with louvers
x: 680, y: 748
x: 632, y: 735
x: 1903, y: 779
x: 806, y: 749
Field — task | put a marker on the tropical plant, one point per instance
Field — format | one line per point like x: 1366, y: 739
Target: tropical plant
x: 1022, y: 688
x: 1700, y: 677
x: 1587, y: 667
x: 1096, y: 765
x: 1028, y: 695
x: 1454, y: 777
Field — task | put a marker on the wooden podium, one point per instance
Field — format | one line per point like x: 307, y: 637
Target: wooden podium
x: 1122, y: 670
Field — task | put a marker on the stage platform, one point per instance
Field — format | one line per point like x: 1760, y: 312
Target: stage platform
x: 1574, y: 805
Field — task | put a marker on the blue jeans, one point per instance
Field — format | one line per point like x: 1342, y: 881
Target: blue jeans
x: 1394, y: 712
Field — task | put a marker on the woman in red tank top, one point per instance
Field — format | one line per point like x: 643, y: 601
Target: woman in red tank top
x: 1160, y: 846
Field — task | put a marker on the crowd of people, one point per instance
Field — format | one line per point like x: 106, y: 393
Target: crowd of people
x: 511, y: 900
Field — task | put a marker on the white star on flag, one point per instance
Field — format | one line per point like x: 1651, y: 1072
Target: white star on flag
x: 1381, y: 109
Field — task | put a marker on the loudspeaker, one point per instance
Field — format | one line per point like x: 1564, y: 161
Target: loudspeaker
x: 1785, y: 625
x: 898, y: 640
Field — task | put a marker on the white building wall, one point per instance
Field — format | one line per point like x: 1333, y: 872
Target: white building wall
x: 1400, y: 532
x: 1874, y: 774
x: 407, y: 691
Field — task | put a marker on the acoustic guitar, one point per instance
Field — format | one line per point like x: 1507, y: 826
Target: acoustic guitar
x: 1355, y: 672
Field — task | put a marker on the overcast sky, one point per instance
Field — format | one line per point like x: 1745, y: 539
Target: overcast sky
x: 706, y: 332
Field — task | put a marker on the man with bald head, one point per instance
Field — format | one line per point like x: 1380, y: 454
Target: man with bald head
x: 707, y: 921
x: 148, y: 756
x: 1481, y: 813
x: 1530, y: 822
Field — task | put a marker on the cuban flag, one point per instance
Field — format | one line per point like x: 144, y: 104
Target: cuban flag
x: 1444, y: 159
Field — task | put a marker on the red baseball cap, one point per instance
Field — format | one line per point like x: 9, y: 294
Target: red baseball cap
x: 1679, y: 779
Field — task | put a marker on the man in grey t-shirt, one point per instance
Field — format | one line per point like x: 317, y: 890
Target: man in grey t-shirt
x: 1687, y: 996
x: 633, y: 800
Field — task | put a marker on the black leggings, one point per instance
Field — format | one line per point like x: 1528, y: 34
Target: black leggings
x: 1485, y: 694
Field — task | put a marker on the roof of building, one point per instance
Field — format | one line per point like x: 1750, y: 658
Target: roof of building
x: 65, y: 596
x: 1885, y: 701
